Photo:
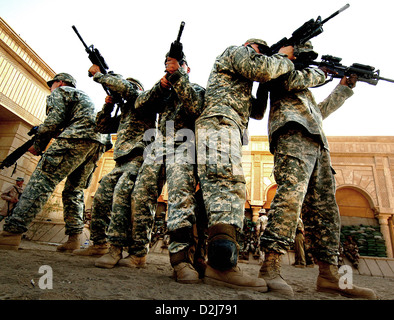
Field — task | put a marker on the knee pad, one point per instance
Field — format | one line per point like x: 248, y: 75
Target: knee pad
x: 222, y: 246
x: 222, y: 254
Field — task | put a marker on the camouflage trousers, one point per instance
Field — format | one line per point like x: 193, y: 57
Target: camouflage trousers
x: 219, y: 150
x: 74, y: 159
x: 111, y: 210
x: 181, y: 187
x: 182, y: 206
x: 306, y: 185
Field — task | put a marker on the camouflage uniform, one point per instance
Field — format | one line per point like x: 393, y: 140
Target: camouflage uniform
x: 226, y: 113
x: 178, y: 109
x: 302, y: 165
x: 72, y: 155
x: 111, y: 204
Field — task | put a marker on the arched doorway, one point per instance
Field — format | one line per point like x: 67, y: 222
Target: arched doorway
x: 358, y: 222
x: 355, y: 207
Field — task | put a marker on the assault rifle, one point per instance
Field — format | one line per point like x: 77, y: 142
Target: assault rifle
x: 176, y: 49
x: 19, y: 152
x: 96, y: 58
x: 307, y: 31
x: 364, y: 72
x: 94, y: 54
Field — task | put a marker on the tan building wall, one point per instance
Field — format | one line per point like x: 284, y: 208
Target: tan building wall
x: 23, y: 91
x: 364, y: 175
x: 364, y: 165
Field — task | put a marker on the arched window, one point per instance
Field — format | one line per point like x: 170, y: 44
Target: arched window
x: 356, y: 206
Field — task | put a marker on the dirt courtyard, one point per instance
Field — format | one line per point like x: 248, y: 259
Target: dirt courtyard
x: 76, y: 278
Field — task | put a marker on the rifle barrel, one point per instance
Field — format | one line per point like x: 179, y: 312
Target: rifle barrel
x: 386, y: 79
x: 178, y: 39
x: 16, y: 154
x: 336, y: 13
x: 80, y: 38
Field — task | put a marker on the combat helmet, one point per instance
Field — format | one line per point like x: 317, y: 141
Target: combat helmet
x: 63, y: 77
x: 136, y: 82
x: 263, y: 46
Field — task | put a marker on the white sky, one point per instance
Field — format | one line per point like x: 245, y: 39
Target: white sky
x: 134, y: 36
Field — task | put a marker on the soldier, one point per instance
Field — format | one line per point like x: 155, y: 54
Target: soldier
x: 299, y: 245
x: 260, y: 227
x: 179, y: 103
x: 227, y: 108
x: 305, y: 179
x: 72, y: 155
x: 11, y: 195
x: 111, y: 204
x: 261, y: 222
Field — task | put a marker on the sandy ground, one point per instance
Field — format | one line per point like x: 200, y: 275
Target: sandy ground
x: 76, y: 278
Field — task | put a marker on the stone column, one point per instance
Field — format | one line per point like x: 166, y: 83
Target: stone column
x: 255, y: 213
x: 384, y: 228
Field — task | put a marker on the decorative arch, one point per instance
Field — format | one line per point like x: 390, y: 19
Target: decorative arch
x: 269, y: 195
x: 353, y: 201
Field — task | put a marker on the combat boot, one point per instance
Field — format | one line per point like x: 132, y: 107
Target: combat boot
x: 222, y: 266
x: 73, y: 243
x: 182, y: 261
x: 328, y: 281
x: 184, y: 271
x: 93, y: 250
x: 270, y: 272
x: 110, y: 259
x: 10, y: 241
x: 132, y: 261
x: 234, y: 278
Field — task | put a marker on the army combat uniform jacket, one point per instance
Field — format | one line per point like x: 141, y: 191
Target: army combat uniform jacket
x: 73, y: 155
x: 111, y: 204
x: 229, y: 89
x: 292, y: 103
x: 131, y: 124
x: 178, y: 108
x: 227, y: 108
x: 70, y: 115
x: 302, y: 165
